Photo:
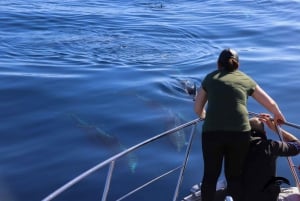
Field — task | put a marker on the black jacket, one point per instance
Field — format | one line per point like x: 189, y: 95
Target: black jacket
x: 260, y: 168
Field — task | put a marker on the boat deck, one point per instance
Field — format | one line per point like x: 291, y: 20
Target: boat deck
x: 286, y: 194
x: 195, y: 192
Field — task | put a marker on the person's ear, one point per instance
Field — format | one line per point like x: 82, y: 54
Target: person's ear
x: 235, y: 63
x: 219, y: 66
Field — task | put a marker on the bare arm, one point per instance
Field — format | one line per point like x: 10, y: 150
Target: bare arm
x: 265, y: 100
x: 200, y: 102
x: 288, y: 137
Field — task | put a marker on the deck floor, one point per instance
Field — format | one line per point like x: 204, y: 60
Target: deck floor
x: 287, y: 194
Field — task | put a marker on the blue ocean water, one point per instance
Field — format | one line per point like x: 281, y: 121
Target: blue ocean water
x: 71, y: 70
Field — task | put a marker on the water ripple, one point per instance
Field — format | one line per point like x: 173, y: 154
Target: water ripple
x: 41, y: 75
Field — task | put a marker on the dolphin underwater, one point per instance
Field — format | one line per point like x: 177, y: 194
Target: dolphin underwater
x: 178, y: 139
x: 171, y: 119
x: 107, y: 140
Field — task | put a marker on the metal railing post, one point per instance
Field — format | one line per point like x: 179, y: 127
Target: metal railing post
x: 187, y: 153
x: 108, y: 180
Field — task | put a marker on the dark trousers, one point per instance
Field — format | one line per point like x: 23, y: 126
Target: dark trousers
x: 230, y: 146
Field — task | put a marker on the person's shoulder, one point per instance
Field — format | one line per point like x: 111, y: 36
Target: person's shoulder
x: 264, y: 143
x: 245, y: 75
x: 260, y: 143
x: 242, y: 73
x: 211, y: 74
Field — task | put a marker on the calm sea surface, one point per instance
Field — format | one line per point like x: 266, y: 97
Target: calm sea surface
x: 83, y: 80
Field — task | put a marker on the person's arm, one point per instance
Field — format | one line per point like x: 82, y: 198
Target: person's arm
x: 200, y: 101
x: 288, y: 137
x: 265, y: 100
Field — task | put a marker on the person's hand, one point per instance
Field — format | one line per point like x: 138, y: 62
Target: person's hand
x: 267, y: 119
x: 279, y: 118
x: 203, y: 114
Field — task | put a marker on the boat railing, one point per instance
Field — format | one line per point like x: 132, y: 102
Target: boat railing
x: 111, y: 163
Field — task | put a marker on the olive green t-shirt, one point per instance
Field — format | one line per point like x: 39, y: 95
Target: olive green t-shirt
x: 227, y: 94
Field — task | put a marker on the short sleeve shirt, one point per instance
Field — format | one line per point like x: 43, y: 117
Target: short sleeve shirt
x: 227, y: 94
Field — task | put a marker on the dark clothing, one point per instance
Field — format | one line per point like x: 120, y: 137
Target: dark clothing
x: 260, y: 168
x: 233, y: 147
x: 226, y: 130
x: 227, y: 94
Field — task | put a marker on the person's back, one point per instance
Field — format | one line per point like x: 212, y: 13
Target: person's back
x: 227, y: 94
x: 260, y: 169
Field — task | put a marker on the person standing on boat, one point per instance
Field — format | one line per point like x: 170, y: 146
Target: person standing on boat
x: 260, y: 181
x: 226, y: 128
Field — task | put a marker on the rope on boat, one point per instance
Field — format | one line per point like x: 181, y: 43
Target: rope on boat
x: 290, y: 161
